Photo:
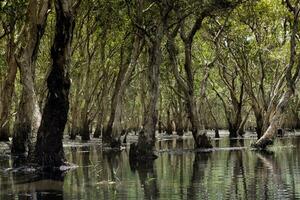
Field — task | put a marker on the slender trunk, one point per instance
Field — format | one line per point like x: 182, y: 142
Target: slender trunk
x: 84, y: 131
x: 259, y: 123
x: 49, y: 148
x: 200, y: 138
x: 112, y: 133
x: 7, y: 93
x: 179, y: 119
x: 100, y: 119
x: 28, y: 117
x: 99, y: 125
x: 75, y: 110
x: 102, y: 109
x: 169, y: 123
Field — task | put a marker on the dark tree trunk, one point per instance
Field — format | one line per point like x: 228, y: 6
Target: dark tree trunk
x: 99, y: 126
x: 169, y: 130
x: 232, y: 128
x: 259, y: 124
x: 179, y: 129
x: 84, y: 129
x: 49, y: 148
x: 217, y: 135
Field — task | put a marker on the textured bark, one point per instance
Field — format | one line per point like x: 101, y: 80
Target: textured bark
x: 146, y: 139
x: 275, y: 123
x: 49, y: 148
x: 7, y: 91
x: 28, y: 117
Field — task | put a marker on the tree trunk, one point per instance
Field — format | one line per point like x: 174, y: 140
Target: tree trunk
x: 112, y: 133
x: 259, y: 123
x: 7, y: 92
x: 99, y: 126
x: 28, y: 117
x: 75, y: 109
x: 100, y: 120
x: 146, y: 139
x: 275, y: 122
x: 169, y: 130
x: 200, y: 138
x: 49, y: 148
x: 180, y: 118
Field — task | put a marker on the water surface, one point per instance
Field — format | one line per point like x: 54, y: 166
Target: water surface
x: 230, y: 171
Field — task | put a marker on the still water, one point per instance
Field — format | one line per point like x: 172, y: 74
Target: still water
x: 231, y: 171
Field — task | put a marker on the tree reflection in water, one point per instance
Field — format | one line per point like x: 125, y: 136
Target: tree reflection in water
x: 148, y: 178
x: 230, y: 171
x: 41, y: 187
x: 197, y: 188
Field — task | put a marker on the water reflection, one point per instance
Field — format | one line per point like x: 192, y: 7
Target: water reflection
x: 148, y: 178
x: 44, y: 187
x: 231, y: 171
x: 196, y: 189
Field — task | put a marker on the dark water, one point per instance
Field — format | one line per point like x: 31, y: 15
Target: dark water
x: 231, y: 171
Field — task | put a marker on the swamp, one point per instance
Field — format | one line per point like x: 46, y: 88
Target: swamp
x: 149, y: 99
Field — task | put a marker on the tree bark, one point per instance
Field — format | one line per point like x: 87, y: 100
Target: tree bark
x: 49, y: 148
x: 7, y: 90
x: 28, y: 117
x: 146, y: 140
x: 275, y: 123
